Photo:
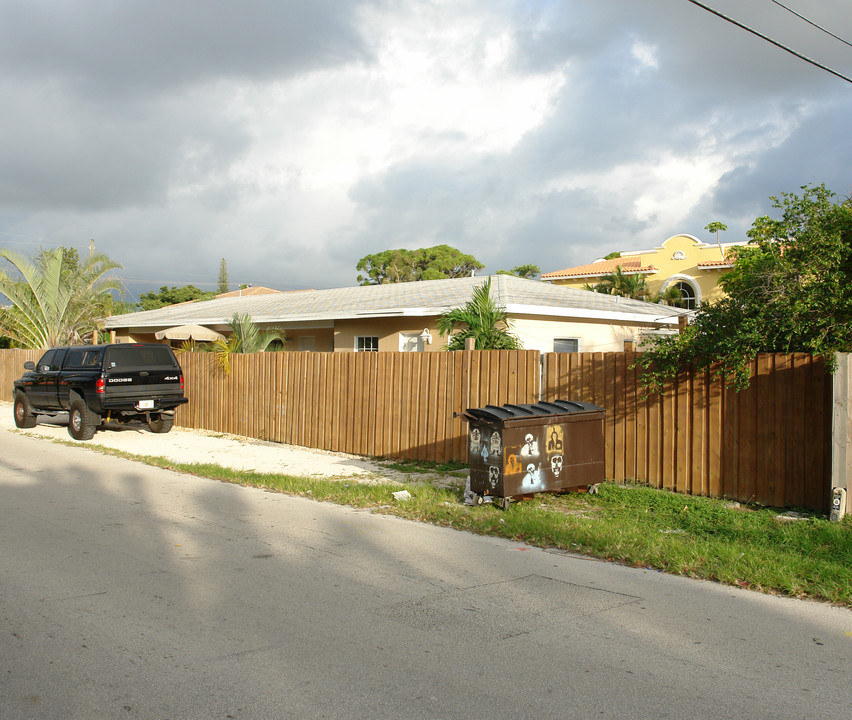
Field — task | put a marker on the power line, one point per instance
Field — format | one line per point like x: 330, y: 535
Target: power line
x: 770, y: 40
x: 811, y: 22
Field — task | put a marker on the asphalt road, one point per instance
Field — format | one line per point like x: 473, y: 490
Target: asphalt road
x: 132, y: 592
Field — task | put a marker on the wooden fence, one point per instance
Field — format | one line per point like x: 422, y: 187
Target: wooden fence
x: 400, y: 405
x: 12, y: 367
x: 770, y: 443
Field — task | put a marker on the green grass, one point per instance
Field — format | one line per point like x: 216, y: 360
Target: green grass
x: 679, y: 534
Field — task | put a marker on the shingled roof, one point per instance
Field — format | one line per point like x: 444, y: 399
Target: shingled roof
x: 425, y: 298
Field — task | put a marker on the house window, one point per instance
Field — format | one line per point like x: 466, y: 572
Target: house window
x: 687, y: 294
x: 307, y: 343
x: 410, y: 342
x: 366, y: 343
x: 566, y: 345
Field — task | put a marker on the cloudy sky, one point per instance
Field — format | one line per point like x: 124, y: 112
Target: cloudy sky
x: 293, y: 137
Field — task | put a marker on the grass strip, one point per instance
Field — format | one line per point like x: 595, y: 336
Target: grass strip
x: 743, y: 546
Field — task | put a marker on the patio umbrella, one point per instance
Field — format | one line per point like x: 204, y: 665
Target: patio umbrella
x: 189, y: 332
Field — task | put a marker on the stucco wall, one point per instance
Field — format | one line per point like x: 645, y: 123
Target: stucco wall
x: 676, y: 259
x: 539, y: 334
x: 387, y: 330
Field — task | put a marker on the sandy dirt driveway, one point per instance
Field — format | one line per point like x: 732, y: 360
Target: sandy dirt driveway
x: 198, y: 446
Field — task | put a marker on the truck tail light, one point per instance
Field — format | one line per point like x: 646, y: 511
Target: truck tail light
x: 100, y: 384
x: 181, y: 382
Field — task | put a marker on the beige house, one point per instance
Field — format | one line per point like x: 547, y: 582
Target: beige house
x: 402, y: 317
x: 694, y: 267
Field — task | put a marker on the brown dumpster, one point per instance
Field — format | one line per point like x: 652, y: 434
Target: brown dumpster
x: 518, y: 450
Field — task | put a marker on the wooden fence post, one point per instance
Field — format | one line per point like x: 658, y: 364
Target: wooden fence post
x: 841, y: 428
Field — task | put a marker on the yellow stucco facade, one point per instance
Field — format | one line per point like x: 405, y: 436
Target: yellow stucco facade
x: 684, y: 260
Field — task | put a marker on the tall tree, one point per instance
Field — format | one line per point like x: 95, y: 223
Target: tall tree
x: 790, y: 290
x: 716, y: 227
x: 171, y: 296
x: 480, y: 318
x: 434, y: 263
x: 224, y: 283
x: 55, y: 300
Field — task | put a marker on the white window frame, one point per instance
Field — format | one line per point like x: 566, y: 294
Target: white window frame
x: 689, y: 280
x: 361, y: 346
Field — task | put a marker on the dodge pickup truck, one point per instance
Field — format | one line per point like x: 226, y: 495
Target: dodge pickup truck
x: 101, y: 383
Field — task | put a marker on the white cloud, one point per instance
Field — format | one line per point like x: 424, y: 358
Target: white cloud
x: 517, y: 130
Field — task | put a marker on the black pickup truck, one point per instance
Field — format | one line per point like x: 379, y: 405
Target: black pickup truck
x: 101, y: 383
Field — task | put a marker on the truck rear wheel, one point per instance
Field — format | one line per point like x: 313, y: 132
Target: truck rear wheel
x: 24, y: 415
x: 82, y: 423
x: 161, y: 423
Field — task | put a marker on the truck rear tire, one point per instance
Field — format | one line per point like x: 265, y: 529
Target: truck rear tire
x: 161, y: 423
x: 82, y: 423
x: 24, y: 415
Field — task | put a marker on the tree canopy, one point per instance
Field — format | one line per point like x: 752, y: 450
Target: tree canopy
x: 56, y: 299
x: 790, y: 290
x: 434, y: 263
x: 480, y: 318
x: 172, y: 296
x: 528, y: 271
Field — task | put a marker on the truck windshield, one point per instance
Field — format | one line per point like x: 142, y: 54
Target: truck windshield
x: 127, y: 357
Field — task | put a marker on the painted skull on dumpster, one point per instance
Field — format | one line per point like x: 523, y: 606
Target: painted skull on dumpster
x: 556, y: 465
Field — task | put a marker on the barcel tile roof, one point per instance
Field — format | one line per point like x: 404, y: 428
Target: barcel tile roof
x: 424, y: 298
x: 628, y: 265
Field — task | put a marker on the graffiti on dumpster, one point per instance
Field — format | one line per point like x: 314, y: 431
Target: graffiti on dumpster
x: 513, y: 465
x: 555, y: 439
x: 530, y: 447
x: 532, y: 480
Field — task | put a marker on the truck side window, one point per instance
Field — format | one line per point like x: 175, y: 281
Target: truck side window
x: 74, y: 359
x: 47, y: 362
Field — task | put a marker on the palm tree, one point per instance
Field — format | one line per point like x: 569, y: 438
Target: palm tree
x: 620, y: 283
x: 56, y: 301
x: 246, y: 337
x: 670, y: 296
x: 482, y: 319
x: 717, y: 227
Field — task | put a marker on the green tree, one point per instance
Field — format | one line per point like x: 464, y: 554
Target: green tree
x: 530, y: 272
x: 56, y: 299
x: 434, y: 263
x: 480, y: 318
x: 790, y: 290
x: 246, y: 337
x: 224, y: 283
x: 716, y: 227
x: 171, y: 296
x: 670, y: 296
x: 622, y: 284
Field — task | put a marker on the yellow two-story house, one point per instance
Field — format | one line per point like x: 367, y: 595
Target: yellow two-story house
x: 693, y: 266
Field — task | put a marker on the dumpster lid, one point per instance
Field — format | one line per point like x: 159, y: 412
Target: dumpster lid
x: 509, y: 411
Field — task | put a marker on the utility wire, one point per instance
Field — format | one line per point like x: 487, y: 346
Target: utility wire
x: 811, y: 22
x: 770, y: 40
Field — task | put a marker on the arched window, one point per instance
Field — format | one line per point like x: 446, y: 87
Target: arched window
x: 687, y: 293
x: 690, y: 291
